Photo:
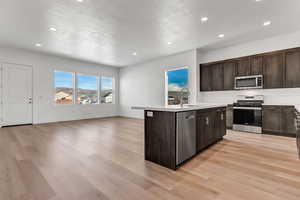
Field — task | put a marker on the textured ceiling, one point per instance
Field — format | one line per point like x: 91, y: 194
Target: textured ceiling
x: 109, y: 31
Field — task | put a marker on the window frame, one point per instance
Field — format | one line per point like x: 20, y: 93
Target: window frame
x: 74, y: 88
x: 75, y: 84
x: 167, y: 82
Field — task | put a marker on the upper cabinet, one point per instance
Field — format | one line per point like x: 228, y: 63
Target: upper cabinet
x: 206, y: 78
x: 292, y: 68
x: 280, y: 69
x: 256, y: 65
x: 273, y: 70
x: 229, y: 69
x: 217, y: 77
x: 243, y: 67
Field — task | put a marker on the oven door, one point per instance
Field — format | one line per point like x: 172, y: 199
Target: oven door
x: 247, y: 116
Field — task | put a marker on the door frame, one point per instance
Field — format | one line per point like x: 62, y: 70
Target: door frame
x: 2, y: 86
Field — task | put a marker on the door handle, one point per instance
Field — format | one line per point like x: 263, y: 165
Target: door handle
x: 207, y: 120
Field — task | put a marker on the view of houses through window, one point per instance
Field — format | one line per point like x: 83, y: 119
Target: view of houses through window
x: 89, y: 89
x: 107, y: 90
x: 64, y: 87
x: 177, y: 81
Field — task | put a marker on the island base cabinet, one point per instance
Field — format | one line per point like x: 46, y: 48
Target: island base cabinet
x: 211, y: 127
x: 160, y: 138
x: 172, y: 138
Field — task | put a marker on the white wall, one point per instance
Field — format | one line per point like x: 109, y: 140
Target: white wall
x: 44, y: 109
x: 272, y: 96
x: 144, y: 84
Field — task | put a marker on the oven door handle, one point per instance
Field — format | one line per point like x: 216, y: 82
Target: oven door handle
x: 247, y: 108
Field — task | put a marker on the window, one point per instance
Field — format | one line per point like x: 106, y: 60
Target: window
x: 64, y: 87
x: 107, y: 89
x: 177, y: 81
x: 87, y: 89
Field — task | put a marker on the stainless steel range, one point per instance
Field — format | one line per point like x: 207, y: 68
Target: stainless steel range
x: 247, y: 113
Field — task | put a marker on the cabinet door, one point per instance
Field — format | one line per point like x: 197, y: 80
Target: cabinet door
x: 292, y: 70
x: 229, y: 75
x: 201, y: 132
x: 205, y: 78
x: 273, y: 70
x: 229, y: 116
x: 243, y: 67
x: 288, y: 120
x: 256, y: 65
x: 271, y: 119
x: 219, y: 124
x: 217, y: 77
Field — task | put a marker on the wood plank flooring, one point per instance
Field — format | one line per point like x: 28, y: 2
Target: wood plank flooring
x: 104, y: 159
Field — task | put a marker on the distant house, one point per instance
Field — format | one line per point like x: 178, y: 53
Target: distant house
x: 63, y: 98
x: 107, y: 97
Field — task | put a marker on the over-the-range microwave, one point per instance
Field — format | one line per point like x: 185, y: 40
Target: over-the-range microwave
x: 248, y: 82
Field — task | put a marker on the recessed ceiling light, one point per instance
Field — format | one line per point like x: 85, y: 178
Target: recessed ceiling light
x: 52, y: 29
x: 169, y: 43
x: 267, y: 23
x: 80, y: 1
x: 221, y: 35
x: 134, y: 53
x: 258, y: 0
x: 38, y: 45
x: 204, y: 19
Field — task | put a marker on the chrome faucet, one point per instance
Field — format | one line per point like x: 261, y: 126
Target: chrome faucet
x: 182, y: 91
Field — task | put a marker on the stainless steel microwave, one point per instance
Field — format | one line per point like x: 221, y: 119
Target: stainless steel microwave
x: 248, y: 82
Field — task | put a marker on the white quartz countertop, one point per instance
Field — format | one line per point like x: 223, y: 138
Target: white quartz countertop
x: 178, y: 108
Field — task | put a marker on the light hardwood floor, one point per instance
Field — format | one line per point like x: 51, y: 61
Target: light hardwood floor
x: 103, y: 159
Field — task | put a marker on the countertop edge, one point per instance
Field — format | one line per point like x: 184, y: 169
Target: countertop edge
x: 177, y: 110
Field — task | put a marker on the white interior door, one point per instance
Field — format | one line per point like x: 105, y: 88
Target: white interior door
x: 17, y: 94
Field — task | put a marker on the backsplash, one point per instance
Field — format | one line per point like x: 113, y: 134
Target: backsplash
x: 290, y: 96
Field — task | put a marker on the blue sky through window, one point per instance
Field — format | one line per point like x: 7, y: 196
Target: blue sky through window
x: 178, y: 77
x: 87, y: 82
x: 63, y: 79
x: 106, y: 83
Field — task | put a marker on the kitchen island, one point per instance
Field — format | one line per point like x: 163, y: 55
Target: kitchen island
x: 175, y: 134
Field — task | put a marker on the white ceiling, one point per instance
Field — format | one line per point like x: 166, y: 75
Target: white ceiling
x: 109, y: 31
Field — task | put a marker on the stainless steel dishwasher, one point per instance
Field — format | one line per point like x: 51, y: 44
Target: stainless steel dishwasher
x: 185, y: 136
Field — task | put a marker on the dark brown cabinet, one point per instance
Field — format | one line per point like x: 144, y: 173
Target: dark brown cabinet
x: 229, y: 116
x: 229, y: 69
x: 243, y: 67
x: 217, y: 77
x: 204, y: 129
x: 164, y: 136
x: 280, y: 69
x: 206, y: 79
x: 256, y: 65
x: 160, y: 138
x: 292, y: 68
x: 220, y: 123
x: 279, y: 120
x: 273, y: 70
x: 211, y: 127
x: 272, y: 119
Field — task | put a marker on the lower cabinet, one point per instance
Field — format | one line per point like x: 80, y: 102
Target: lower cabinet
x: 279, y: 120
x: 229, y: 116
x: 211, y: 127
x: 171, y: 138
